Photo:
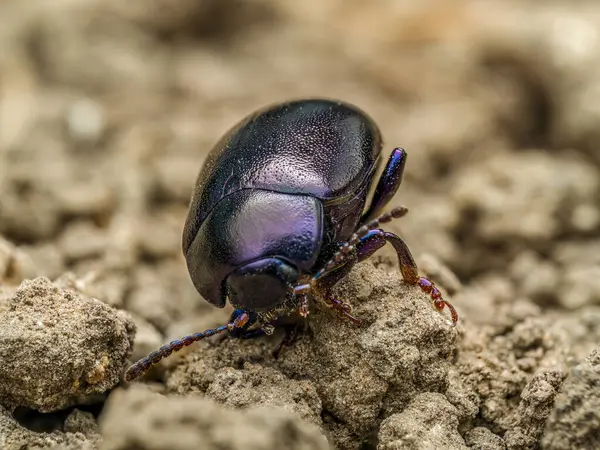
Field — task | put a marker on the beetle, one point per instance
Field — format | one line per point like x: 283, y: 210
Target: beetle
x: 279, y: 215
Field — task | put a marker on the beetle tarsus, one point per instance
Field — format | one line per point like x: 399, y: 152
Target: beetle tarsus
x: 410, y: 273
x: 429, y: 288
x: 342, y: 309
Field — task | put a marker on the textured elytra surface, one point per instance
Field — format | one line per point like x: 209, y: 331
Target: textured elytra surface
x: 108, y: 110
x: 324, y: 148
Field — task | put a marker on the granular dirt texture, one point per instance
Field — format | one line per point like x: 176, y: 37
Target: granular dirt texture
x: 575, y: 419
x: 136, y: 419
x: 107, y: 112
x: 351, y: 376
x: 59, y: 349
x: 428, y: 421
x: 78, y: 434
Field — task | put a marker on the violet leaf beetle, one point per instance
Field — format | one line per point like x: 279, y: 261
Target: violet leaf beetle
x: 279, y: 215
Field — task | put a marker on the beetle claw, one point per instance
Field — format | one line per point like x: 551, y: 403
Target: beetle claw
x: 342, y: 309
x: 438, y: 302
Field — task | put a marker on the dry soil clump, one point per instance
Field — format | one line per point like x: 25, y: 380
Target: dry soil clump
x: 575, y: 419
x: 136, y: 419
x: 107, y: 111
x: 59, y: 349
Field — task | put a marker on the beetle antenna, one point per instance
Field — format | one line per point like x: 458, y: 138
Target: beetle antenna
x: 351, y: 243
x: 144, y: 364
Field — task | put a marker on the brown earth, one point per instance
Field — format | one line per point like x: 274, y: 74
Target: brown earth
x: 107, y: 110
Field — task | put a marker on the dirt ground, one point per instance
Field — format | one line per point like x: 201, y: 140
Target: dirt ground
x: 107, y: 111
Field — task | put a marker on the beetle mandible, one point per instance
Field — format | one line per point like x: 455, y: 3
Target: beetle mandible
x: 279, y: 214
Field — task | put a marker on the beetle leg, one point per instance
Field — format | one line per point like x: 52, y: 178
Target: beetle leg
x: 375, y: 239
x: 368, y: 244
x: 340, y: 308
x: 388, y: 184
x: 347, y: 248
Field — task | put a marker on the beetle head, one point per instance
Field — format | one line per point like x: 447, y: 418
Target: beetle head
x: 261, y: 285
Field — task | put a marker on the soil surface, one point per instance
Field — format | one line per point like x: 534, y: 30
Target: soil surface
x: 107, y: 111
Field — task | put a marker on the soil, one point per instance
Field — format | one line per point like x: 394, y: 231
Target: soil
x: 107, y: 111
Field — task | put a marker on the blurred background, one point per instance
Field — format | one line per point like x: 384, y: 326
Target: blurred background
x: 109, y: 107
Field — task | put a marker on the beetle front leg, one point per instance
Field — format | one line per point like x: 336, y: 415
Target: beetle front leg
x: 331, y: 279
x: 365, y: 248
x: 375, y: 239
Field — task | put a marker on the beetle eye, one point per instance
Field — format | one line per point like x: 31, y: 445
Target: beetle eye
x: 261, y: 285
